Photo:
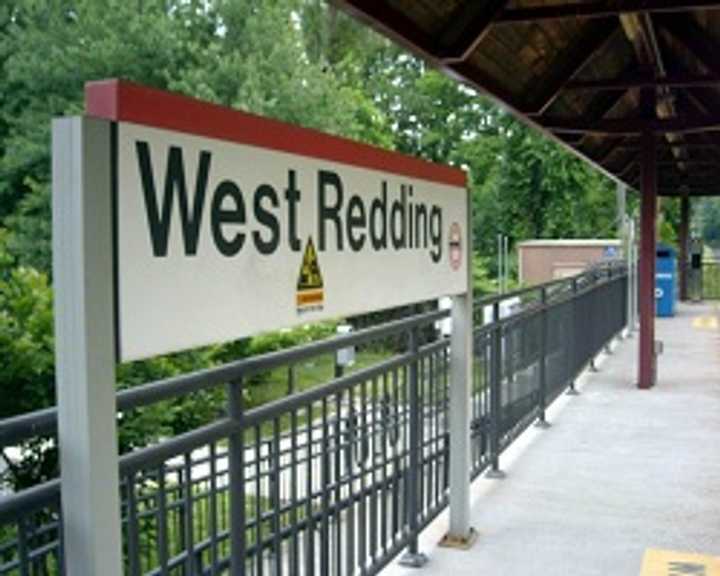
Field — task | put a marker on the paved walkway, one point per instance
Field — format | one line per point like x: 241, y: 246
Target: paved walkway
x: 620, y: 471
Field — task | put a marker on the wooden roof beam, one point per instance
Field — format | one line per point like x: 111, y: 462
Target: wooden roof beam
x: 676, y: 191
x: 689, y: 163
x: 599, y: 106
x: 697, y: 41
x: 631, y: 126
x: 624, y: 168
x: 466, y: 28
x: 396, y: 25
x: 640, y: 31
x: 630, y: 82
x: 601, y: 9
x: 669, y: 183
x: 675, y: 145
x: 390, y: 22
x: 572, y: 60
x: 611, y: 148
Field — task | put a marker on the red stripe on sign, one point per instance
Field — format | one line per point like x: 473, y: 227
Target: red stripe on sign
x: 119, y: 100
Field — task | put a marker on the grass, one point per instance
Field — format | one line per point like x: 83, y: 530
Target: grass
x: 274, y: 384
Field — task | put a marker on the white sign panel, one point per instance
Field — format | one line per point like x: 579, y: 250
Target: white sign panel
x: 217, y: 240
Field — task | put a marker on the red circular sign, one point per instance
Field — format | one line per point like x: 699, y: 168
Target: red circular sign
x: 455, y: 242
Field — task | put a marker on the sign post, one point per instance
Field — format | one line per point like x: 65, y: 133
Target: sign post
x: 460, y: 533
x: 85, y: 346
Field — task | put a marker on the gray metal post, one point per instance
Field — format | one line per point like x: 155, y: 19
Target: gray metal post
x: 635, y: 279
x: 413, y: 557
x: 495, y: 395
x: 506, y: 259
x: 542, y: 361
x: 85, y: 345
x: 621, y: 202
x: 630, y: 242
x: 572, y: 391
x: 236, y: 475
x: 500, y: 263
x: 460, y: 533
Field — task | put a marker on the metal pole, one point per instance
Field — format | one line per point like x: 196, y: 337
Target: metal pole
x: 621, y: 194
x: 506, y: 258
x: 495, y: 395
x: 683, y: 240
x: 542, y: 422
x: 630, y: 241
x: 572, y: 347
x: 623, y: 233
x: 413, y: 557
x: 648, y: 214
x: 85, y: 346
x: 236, y: 474
x: 500, y: 264
x: 461, y: 349
x: 635, y: 281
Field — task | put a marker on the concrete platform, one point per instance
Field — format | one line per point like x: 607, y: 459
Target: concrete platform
x: 620, y: 471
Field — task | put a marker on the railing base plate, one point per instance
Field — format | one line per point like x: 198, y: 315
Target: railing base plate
x: 572, y: 392
x: 495, y: 474
x: 543, y: 424
x: 413, y: 560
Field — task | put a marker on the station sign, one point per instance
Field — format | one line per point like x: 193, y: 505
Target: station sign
x: 228, y: 224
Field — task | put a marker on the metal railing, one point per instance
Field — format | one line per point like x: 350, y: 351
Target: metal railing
x: 337, y: 479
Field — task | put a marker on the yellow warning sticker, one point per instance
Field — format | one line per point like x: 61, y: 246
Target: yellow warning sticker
x: 705, y: 323
x: 310, y: 293
x: 670, y: 563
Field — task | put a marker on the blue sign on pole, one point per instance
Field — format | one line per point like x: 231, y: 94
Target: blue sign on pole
x: 610, y: 252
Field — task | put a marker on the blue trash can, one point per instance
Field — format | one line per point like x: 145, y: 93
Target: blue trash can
x: 665, y: 264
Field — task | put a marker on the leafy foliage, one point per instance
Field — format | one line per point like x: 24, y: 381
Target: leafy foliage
x: 26, y: 336
x: 708, y: 216
x: 300, y: 61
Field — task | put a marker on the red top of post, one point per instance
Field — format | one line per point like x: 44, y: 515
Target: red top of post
x: 119, y: 100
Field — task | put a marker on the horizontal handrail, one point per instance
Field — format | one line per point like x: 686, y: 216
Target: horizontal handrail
x: 613, y: 265
x: 44, y: 422
x: 18, y: 428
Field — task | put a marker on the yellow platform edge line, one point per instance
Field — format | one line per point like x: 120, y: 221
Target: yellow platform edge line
x: 673, y: 563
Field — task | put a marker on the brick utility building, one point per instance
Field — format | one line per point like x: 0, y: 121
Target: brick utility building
x: 544, y: 260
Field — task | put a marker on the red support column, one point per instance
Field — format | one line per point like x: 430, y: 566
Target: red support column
x: 648, y: 215
x: 683, y: 241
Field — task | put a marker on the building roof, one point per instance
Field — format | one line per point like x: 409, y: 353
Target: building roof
x: 599, y: 76
x: 575, y: 243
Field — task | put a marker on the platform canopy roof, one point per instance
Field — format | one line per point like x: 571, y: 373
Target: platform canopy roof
x: 594, y: 74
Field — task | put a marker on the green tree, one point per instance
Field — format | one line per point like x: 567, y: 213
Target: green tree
x: 300, y: 61
x: 708, y: 219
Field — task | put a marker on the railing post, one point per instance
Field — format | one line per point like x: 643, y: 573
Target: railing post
x: 236, y: 472
x: 413, y: 557
x: 572, y: 391
x: 495, y: 395
x: 542, y: 403
x: 633, y: 280
x: 606, y: 319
